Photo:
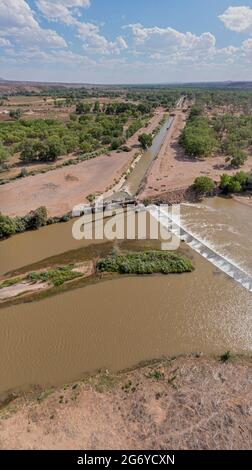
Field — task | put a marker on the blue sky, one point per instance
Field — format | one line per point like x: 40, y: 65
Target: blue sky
x: 129, y: 41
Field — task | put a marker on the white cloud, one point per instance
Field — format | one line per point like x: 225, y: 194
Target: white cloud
x: 95, y: 43
x: 167, y: 47
x: 17, y: 21
x: 247, y: 50
x: 16, y: 13
x: 65, y: 11
x: 4, y: 42
x: 168, y: 39
x: 61, y: 10
x: 36, y: 55
x: 238, y: 19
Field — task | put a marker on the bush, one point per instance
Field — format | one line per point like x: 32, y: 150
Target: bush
x: 145, y: 263
x: 4, y: 154
x: 56, y: 276
x: 238, y: 158
x: 195, y: 112
x: 145, y: 140
x: 115, y: 144
x: 234, y: 184
x: 83, y: 108
x: 225, y: 357
x: 204, y: 185
x: 36, y: 219
x: 7, y: 226
x: 15, y: 114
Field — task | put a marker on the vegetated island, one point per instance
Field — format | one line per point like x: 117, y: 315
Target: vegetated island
x: 144, y: 262
x: 148, y: 262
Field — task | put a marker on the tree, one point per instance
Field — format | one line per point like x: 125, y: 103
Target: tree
x: 145, y: 140
x: 47, y: 150
x: 238, y: 158
x: 195, y: 112
x: 97, y: 107
x: 52, y: 149
x: 36, y: 219
x: 7, y: 226
x: 242, y: 178
x: 30, y: 150
x: 15, y: 114
x: 4, y: 154
x: 83, y: 108
x: 198, y: 138
x: 234, y: 184
x: 116, y: 143
x: 85, y: 147
x: 204, y: 185
x: 144, y: 108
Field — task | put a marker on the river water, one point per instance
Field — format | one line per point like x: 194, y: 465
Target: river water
x: 117, y: 323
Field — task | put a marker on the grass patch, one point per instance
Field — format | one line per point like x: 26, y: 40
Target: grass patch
x: 148, y: 262
x: 56, y: 276
x: 10, y: 282
x: 155, y: 375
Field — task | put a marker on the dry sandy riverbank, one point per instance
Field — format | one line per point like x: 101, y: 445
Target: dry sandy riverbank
x: 61, y: 189
x: 173, y: 170
x: 185, y: 403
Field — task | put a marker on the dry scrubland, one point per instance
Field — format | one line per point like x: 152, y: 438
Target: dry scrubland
x: 186, y: 403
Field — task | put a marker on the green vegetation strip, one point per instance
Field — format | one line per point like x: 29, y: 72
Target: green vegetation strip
x: 148, y: 262
x: 10, y: 282
x: 57, y: 276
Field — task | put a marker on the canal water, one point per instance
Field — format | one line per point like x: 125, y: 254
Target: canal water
x: 135, y: 179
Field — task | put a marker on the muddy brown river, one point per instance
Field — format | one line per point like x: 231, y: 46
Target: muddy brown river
x: 117, y: 323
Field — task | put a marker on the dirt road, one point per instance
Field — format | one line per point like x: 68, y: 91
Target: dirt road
x: 61, y: 189
x: 186, y: 403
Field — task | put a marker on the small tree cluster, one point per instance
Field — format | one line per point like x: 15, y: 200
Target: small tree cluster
x: 36, y: 150
x: 234, y: 184
x: 32, y: 221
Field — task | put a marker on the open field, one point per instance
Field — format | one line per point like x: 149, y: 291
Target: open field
x: 185, y: 403
x: 77, y: 181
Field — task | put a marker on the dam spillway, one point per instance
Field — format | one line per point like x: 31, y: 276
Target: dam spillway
x: 229, y: 267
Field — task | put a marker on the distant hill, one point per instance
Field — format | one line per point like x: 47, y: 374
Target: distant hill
x: 12, y: 86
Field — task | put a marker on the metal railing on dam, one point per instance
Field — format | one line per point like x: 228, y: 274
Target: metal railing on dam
x: 200, y: 246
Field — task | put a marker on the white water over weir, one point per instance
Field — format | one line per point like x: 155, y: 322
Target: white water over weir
x: 174, y: 226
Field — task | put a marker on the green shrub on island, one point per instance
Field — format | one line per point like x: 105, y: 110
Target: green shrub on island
x: 148, y: 262
x: 56, y: 276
